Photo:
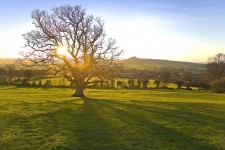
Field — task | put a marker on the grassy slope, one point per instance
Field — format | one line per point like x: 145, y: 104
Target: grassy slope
x: 111, y: 119
x: 150, y: 64
x: 140, y: 63
x: 5, y: 61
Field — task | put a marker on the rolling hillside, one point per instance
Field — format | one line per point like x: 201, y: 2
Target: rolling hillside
x: 149, y: 64
x: 5, y: 61
x: 138, y: 63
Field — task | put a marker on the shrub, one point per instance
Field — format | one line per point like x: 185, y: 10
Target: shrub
x: 48, y: 83
x: 39, y: 84
x: 25, y: 82
x: 34, y: 84
x: 119, y: 84
x: 179, y: 83
x: 157, y: 83
x: 218, y: 85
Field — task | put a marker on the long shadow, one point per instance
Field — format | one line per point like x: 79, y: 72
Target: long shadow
x: 198, y: 114
x: 146, y: 133
x: 138, y: 116
x: 104, y: 124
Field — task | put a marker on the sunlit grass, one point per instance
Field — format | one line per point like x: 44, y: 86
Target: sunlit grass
x: 111, y: 119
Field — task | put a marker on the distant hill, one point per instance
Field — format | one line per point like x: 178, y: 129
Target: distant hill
x: 150, y: 64
x: 138, y: 63
x: 4, y: 61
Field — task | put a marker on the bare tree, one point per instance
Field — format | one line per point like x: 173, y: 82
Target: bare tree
x: 108, y: 73
x: 131, y: 82
x: 145, y: 83
x: 157, y: 83
x: 216, y: 67
x: 139, y: 82
x: 187, y: 77
x: 165, y: 77
x: 83, y: 37
x: 11, y: 72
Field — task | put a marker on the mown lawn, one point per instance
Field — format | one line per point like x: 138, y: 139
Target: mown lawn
x: 111, y: 119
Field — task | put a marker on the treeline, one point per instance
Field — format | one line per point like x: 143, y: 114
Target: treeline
x: 133, y: 78
x: 117, y: 76
x: 11, y: 74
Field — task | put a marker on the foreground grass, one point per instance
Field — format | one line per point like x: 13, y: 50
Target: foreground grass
x: 111, y: 119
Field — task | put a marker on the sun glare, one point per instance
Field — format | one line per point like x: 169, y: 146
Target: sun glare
x: 61, y: 50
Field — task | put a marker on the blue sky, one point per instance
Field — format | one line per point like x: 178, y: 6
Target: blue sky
x: 187, y: 30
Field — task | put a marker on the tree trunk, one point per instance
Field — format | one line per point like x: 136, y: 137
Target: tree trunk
x: 79, y: 92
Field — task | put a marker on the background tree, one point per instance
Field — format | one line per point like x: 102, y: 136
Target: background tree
x: 28, y: 74
x: 165, y: 77
x: 108, y: 73
x: 145, y: 83
x: 71, y: 42
x: 3, y: 75
x: 157, y: 83
x: 131, y: 82
x: 10, y: 69
x: 18, y: 73
x: 8, y: 73
x: 218, y: 85
x: 179, y: 84
x: 187, y: 78
x: 119, y: 84
x: 215, y: 67
x: 177, y: 78
x: 215, y: 73
x: 139, y: 82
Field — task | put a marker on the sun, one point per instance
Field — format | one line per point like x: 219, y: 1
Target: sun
x: 61, y: 50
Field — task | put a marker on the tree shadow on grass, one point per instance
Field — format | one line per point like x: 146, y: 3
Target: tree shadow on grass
x: 127, y: 126
x: 105, y: 124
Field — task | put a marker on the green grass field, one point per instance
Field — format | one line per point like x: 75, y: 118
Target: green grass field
x: 111, y: 119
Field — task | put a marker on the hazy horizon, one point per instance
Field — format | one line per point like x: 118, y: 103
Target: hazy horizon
x: 178, y: 30
x: 131, y: 57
